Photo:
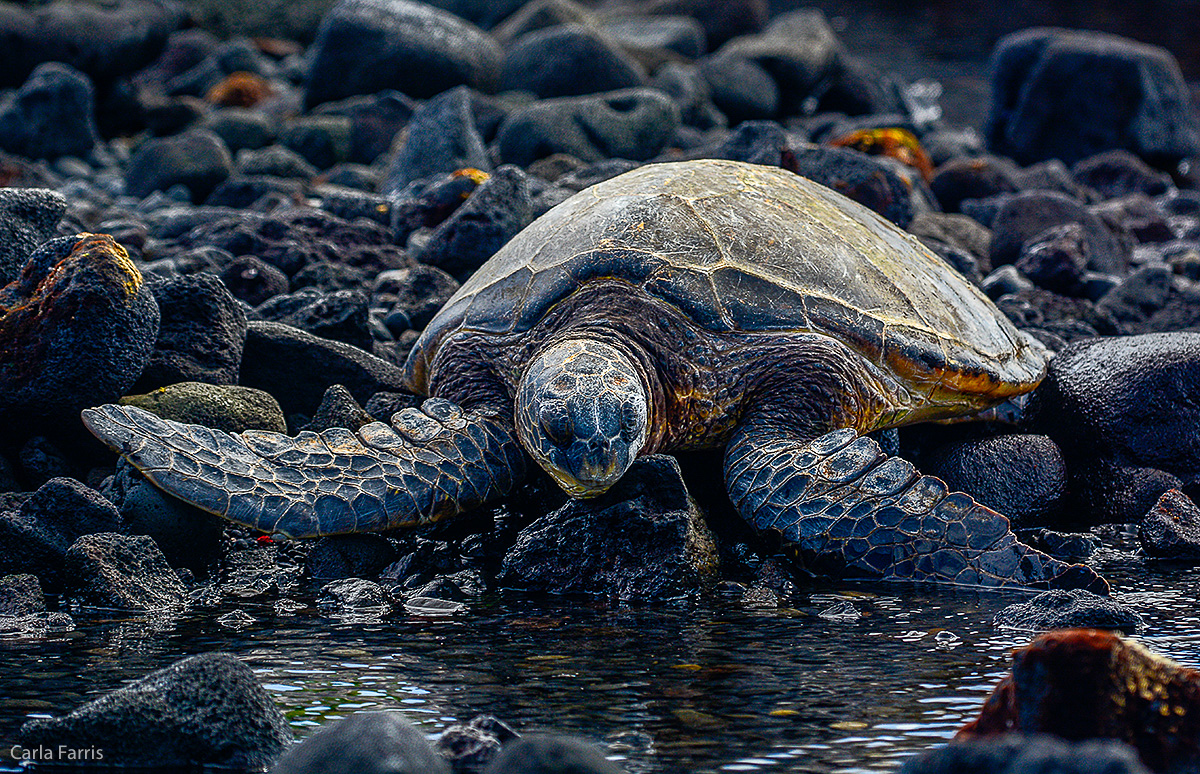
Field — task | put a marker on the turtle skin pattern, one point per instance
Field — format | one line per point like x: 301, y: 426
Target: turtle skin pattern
x: 844, y: 508
x: 429, y: 463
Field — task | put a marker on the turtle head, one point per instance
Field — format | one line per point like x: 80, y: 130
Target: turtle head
x: 581, y: 412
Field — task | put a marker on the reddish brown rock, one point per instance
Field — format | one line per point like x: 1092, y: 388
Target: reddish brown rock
x: 1085, y: 684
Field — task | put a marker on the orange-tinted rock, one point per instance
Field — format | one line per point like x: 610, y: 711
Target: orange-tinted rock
x: 1085, y: 683
x: 899, y: 144
x: 240, y: 89
x: 76, y: 330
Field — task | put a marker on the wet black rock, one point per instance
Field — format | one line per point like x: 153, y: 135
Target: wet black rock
x: 1021, y: 476
x: 366, y: 46
x: 496, y: 210
x: 1025, y: 215
x: 754, y: 142
x: 374, y: 121
x: 549, y: 754
x: 1068, y: 546
x: 36, y: 535
x: 1139, y: 295
x: 321, y: 140
x: 231, y: 408
x: 364, y: 743
x: 253, y: 280
x: 442, y: 137
x: 1123, y: 412
x: 242, y: 128
x: 196, y: 159
x: 1171, y: 529
x: 340, y: 315
x: 297, y: 367
x: 567, y: 61
x: 51, y: 115
x: 1016, y: 753
x: 469, y: 747
x: 872, y: 181
x: 258, y: 571
x: 108, y: 570
x: 104, y: 41
x: 187, y: 536
x: 200, y: 336
x: 628, y: 124
x: 206, y: 709
x: 76, y: 330
x: 1072, y: 94
x: 642, y: 540
x: 1116, y: 173
x: 1069, y: 610
x: 28, y: 217
x: 1056, y: 259
x: 354, y: 597
x: 350, y: 556
x: 21, y: 595
x: 255, y: 192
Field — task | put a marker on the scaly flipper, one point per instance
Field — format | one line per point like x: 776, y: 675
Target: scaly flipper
x: 847, y: 509
x: 430, y: 463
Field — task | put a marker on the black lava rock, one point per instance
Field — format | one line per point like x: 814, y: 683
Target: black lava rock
x: 721, y: 19
x: 1021, y: 476
x: 197, y: 159
x: 21, y: 595
x: 354, y: 597
x: 417, y: 293
x: 741, y: 89
x: 499, y: 208
x: 364, y: 743
x: 274, y: 161
x: 242, y: 128
x: 252, y: 192
x: 252, y: 280
x: 1025, y: 215
x: 442, y: 137
x: 652, y: 39
x: 350, y: 556
x: 469, y: 747
x: 366, y: 46
x: 297, y: 367
x: 35, y: 537
x: 869, y: 180
x: 340, y: 315
x: 1068, y: 546
x: 567, y: 61
x: 550, y: 754
x: 1171, y: 529
x: 187, y: 536
x: 1116, y: 173
x: 1139, y: 295
x: 104, y: 41
x: 1123, y: 412
x: 1016, y: 753
x: 642, y: 540
x: 1056, y: 259
x: 685, y: 84
x: 200, y: 336
x: 1072, y: 94
x: 1069, y: 610
x: 40, y: 459
x: 28, y: 217
x: 51, y: 115
x: 629, y: 124
x: 206, y: 709
x: 121, y: 572
x: 76, y: 330
x: 321, y: 140
x: 979, y: 177
x: 374, y: 121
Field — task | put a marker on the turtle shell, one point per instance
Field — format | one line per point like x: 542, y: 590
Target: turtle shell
x: 742, y: 247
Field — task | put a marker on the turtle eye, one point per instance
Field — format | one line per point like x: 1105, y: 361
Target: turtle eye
x: 556, y: 426
x: 630, y: 422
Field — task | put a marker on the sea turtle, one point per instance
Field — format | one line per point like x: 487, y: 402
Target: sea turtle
x: 677, y: 306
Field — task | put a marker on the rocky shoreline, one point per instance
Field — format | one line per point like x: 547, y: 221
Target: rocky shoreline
x: 250, y: 234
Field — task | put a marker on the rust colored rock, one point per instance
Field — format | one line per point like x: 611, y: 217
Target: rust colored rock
x: 76, y: 330
x: 240, y: 89
x: 1085, y: 684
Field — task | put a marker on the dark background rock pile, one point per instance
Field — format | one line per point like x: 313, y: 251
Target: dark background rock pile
x: 287, y: 193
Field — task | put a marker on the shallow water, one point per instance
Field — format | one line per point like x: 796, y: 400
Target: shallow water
x: 702, y: 687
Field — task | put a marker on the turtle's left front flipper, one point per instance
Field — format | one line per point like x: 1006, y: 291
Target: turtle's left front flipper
x: 429, y: 463
x: 846, y: 508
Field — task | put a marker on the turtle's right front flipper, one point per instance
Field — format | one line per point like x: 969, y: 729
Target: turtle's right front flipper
x: 430, y: 463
